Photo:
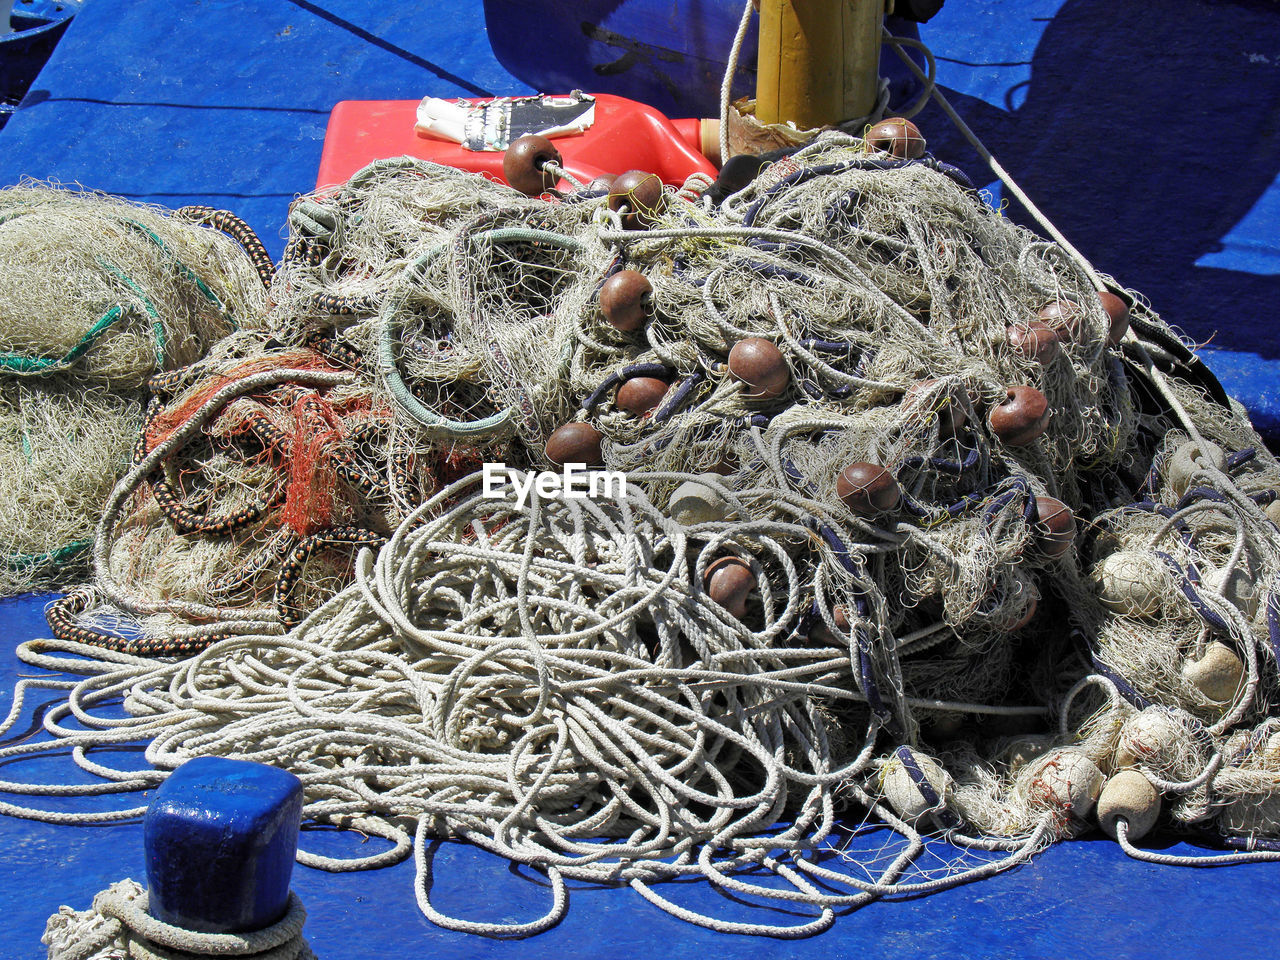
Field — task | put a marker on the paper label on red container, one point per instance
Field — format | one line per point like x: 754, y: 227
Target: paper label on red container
x: 492, y: 125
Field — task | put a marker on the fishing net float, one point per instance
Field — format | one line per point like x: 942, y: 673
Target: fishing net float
x: 97, y: 296
x: 880, y: 445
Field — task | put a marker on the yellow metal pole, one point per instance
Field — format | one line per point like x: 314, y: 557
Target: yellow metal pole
x: 819, y: 60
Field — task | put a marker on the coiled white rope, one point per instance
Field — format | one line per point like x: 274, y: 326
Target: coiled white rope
x: 118, y: 925
x: 527, y: 680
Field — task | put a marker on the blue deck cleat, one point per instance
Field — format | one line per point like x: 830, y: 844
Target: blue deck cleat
x: 221, y: 837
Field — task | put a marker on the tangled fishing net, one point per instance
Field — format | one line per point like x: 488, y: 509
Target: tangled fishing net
x: 265, y: 465
x: 97, y: 295
x: 925, y: 524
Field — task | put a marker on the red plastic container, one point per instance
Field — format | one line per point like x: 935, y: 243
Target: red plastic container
x: 626, y: 135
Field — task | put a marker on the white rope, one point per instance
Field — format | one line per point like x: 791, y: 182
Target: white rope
x: 731, y: 68
x: 119, y: 924
x: 1178, y: 860
x: 571, y: 696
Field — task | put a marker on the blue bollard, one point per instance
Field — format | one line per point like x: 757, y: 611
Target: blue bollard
x: 221, y: 837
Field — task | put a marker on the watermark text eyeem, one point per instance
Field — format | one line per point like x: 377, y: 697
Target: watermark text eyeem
x: 575, y: 482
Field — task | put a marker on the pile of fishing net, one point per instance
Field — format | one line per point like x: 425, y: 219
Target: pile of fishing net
x: 895, y: 514
x: 264, y: 466
x: 97, y: 295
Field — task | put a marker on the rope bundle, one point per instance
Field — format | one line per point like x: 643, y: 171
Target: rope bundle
x: 118, y: 926
x: 532, y: 679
